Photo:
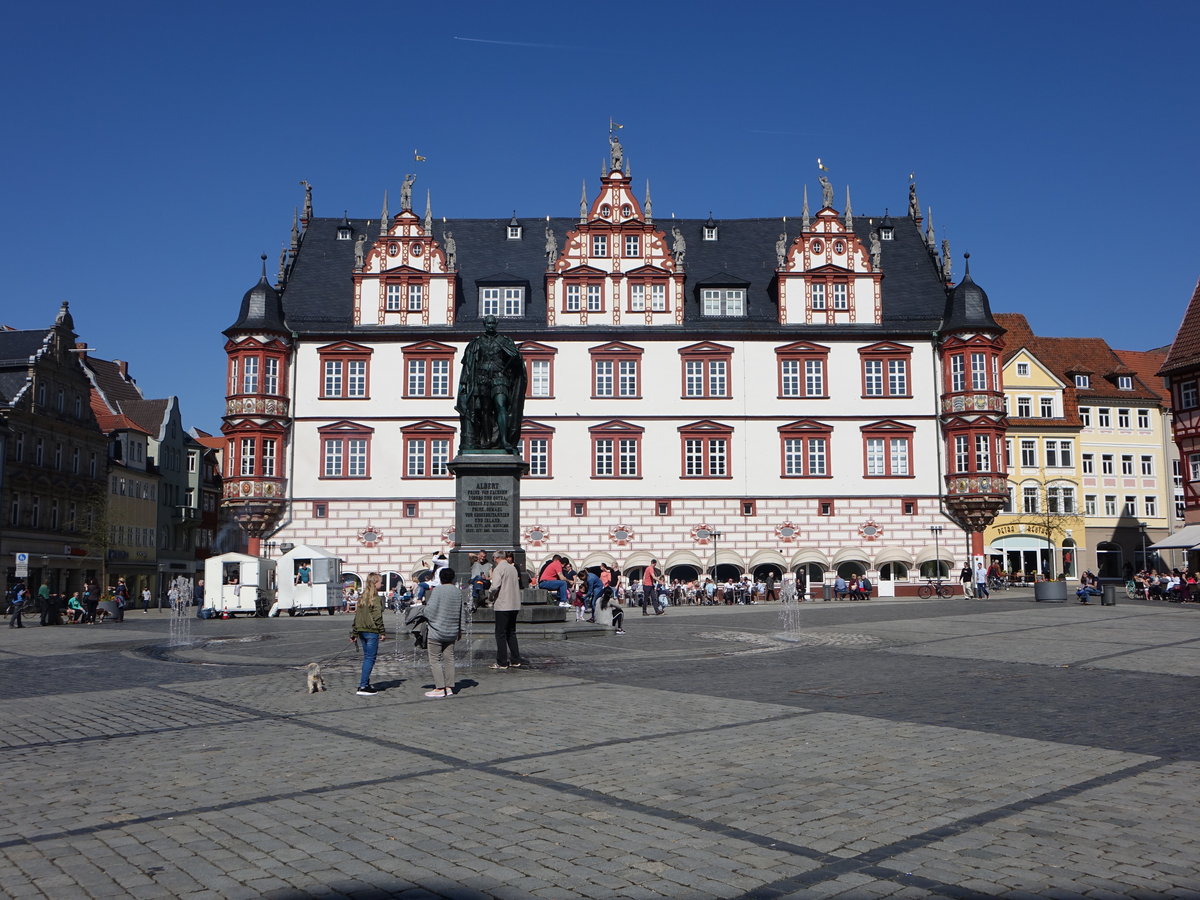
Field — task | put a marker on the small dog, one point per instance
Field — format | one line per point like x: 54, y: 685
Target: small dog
x: 316, y: 681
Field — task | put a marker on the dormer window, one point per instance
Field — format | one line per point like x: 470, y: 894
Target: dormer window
x: 502, y: 302
x: 343, y: 233
x: 514, y: 231
x: 886, y: 232
x: 1125, y: 382
x: 710, y: 232
x: 1083, y: 381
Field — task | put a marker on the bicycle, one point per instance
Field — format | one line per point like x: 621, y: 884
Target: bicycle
x: 935, y: 586
x: 1134, y: 590
x: 997, y: 584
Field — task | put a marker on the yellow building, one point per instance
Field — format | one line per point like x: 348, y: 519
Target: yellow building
x: 1040, y: 530
x: 1087, y: 438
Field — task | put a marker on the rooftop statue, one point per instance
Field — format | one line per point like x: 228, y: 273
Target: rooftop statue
x: 406, y: 192
x: 491, y: 392
x: 678, y: 245
x: 826, y: 192
x: 876, y: 249
x: 618, y: 154
x: 551, y: 247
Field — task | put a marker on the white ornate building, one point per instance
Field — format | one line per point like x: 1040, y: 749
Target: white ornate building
x: 808, y: 391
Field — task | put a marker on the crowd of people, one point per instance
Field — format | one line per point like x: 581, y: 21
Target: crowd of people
x: 1175, y: 586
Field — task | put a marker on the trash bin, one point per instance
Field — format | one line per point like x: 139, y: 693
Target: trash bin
x: 827, y: 591
x: 1109, y: 595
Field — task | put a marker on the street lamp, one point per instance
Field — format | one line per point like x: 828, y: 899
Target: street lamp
x: 716, y: 536
x: 1145, y: 559
x: 937, y: 554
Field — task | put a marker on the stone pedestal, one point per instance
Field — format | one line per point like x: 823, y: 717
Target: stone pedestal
x: 487, y: 511
x: 487, y: 516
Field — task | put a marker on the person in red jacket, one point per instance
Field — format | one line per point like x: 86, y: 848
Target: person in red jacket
x: 552, y: 579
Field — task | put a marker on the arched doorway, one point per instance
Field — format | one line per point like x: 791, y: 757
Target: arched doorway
x: 850, y: 568
x: 893, y: 571
x: 761, y: 572
x: 683, y: 573
x: 935, y: 569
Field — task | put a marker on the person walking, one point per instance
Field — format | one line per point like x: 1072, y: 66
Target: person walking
x: 981, y: 582
x: 198, y: 598
x: 20, y: 594
x: 368, y: 631
x: 145, y: 600
x: 506, y: 588
x: 91, y: 601
x: 445, y: 614
x: 649, y: 590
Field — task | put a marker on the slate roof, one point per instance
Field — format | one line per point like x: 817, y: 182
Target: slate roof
x: 1185, y: 350
x: 318, y: 296
x: 15, y: 349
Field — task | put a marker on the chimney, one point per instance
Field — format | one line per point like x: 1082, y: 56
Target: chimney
x: 123, y: 368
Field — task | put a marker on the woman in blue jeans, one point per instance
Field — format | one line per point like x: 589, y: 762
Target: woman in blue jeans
x: 368, y: 628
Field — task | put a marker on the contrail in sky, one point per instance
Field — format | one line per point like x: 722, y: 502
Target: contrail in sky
x: 510, y: 43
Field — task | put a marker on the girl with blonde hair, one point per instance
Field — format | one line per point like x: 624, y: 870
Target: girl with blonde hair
x: 368, y: 628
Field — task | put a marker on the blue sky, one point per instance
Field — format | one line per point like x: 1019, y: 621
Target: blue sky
x: 153, y: 151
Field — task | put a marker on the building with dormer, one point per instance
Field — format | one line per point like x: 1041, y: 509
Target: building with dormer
x: 54, y: 466
x: 783, y: 393
x: 1124, y: 470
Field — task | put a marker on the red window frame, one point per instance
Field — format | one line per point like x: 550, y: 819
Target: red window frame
x: 260, y: 353
x: 320, y: 509
x: 802, y: 352
x: 706, y: 432
x: 616, y: 432
x: 909, y: 506
x: 425, y: 433
x: 579, y: 508
x: 662, y: 507
x: 647, y: 277
x: 342, y: 353
x: 886, y: 353
x: 426, y: 352
x: 826, y: 507
x: 404, y: 279
x: 806, y: 430
x: 616, y: 353
x: 412, y: 509
x: 828, y: 281
x: 583, y: 278
x: 706, y: 353
x: 532, y: 351
x: 344, y: 432
x: 749, y: 508
x: 538, y: 431
x: 888, y: 431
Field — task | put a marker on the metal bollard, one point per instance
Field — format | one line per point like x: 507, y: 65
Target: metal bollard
x: 1108, y: 597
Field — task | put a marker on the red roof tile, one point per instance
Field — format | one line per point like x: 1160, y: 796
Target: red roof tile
x: 1185, y: 351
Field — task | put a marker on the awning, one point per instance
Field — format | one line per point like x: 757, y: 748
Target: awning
x: 1185, y: 538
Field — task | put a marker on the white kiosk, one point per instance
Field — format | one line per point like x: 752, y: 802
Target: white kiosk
x: 235, y: 583
x: 310, y: 580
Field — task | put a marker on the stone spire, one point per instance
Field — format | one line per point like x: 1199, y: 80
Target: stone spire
x: 428, y: 213
x: 930, y: 239
x: 295, y: 229
x: 948, y: 263
x: 849, y: 214
x: 279, y: 278
x: 383, y: 216
x: 627, y: 170
x: 804, y: 210
x: 583, y: 203
x: 649, y: 205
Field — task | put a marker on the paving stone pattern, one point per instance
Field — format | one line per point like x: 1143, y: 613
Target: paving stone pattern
x: 901, y: 749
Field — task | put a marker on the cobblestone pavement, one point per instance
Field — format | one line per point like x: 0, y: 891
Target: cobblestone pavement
x: 886, y: 749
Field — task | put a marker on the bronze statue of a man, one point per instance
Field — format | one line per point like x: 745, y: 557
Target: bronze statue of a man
x: 491, y: 392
